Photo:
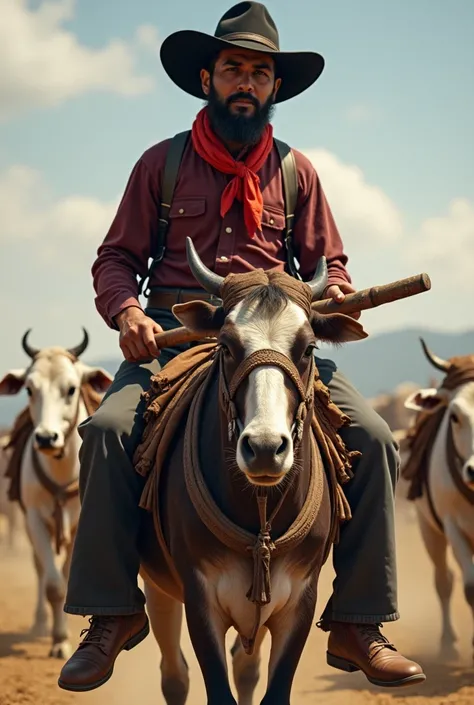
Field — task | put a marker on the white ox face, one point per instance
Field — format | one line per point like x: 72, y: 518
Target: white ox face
x: 267, y: 400
x: 265, y: 446
x: 460, y: 410
x: 53, y: 383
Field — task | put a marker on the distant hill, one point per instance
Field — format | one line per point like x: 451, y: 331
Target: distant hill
x: 374, y: 365
x: 379, y: 363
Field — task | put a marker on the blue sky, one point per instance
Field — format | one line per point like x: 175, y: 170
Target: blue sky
x: 388, y: 127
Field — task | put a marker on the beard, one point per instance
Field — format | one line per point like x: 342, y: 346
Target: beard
x: 240, y: 128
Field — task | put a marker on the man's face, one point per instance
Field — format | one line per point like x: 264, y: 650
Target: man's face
x: 241, y: 92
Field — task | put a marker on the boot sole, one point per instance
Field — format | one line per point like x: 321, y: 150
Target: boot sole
x: 130, y: 644
x: 343, y: 664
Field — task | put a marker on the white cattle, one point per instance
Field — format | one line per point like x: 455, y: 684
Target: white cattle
x: 446, y: 509
x: 60, y: 387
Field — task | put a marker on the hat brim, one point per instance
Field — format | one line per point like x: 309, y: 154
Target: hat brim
x: 184, y: 53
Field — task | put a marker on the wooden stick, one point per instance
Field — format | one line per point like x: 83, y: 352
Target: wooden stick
x: 359, y: 301
x: 375, y: 295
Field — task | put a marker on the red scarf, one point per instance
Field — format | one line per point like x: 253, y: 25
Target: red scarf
x: 246, y: 184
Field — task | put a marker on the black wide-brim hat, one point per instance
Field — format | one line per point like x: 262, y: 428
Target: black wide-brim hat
x: 248, y: 25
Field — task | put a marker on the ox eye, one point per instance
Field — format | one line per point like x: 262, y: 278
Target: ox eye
x: 310, y: 350
x: 29, y: 391
x: 454, y: 417
x: 71, y: 391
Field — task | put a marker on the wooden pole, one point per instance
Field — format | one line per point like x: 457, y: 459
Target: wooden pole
x: 358, y: 301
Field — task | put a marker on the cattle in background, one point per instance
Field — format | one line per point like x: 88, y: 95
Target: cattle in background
x: 44, y: 467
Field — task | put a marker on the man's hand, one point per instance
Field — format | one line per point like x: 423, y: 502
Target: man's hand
x: 137, y: 335
x: 337, y: 292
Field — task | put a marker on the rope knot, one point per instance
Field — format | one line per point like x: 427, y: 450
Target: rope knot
x: 260, y: 590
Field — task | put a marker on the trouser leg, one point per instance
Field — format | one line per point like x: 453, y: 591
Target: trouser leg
x: 105, y: 561
x: 365, y: 587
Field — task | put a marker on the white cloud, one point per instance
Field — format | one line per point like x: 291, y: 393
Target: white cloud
x: 43, y: 64
x: 363, y: 212
x: 444, y: 246
x: 31, y: 213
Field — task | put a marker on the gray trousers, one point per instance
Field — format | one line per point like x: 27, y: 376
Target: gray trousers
x: 105, y: 561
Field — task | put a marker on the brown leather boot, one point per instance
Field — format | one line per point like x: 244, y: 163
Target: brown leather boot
x: 92, y: 664
x: 361, y: 647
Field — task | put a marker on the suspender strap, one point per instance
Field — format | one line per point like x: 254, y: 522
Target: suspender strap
x: 289, y: 176
x: 170, y: 174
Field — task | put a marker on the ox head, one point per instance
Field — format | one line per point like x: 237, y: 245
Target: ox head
x: 459, y: 404
x: 53, y: 381
x: 267, y: 400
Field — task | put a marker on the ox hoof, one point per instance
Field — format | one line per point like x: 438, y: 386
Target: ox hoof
x: 61, y: 651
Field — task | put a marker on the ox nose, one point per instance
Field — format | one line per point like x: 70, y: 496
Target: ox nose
x: 45, y: 439
x: 264, y: 454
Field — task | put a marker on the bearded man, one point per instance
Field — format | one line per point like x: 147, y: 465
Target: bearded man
x: 229, y: 194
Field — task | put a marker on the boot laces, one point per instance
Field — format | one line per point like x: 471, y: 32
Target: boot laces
x: 97, y: 632
x: 374, y: 638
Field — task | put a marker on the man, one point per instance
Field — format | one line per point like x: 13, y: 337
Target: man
x: 229, y: 196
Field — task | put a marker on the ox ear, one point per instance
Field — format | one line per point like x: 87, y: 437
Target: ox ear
x: 200, y: 317
x: 12, y: 382
x: 425, y: 399
x: 336, y: 328
x: 98, y: 378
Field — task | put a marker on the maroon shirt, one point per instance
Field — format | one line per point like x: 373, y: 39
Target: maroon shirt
x: 222, y: 243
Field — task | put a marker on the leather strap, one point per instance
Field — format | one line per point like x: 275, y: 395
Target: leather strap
x: 170, y: 174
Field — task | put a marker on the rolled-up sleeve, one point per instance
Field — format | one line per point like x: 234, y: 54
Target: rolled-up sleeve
x: 315, y: 232
x: 124, y: 253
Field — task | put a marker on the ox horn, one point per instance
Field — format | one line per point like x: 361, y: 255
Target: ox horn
x: 210, y: 281
x: 320, y: 280
x: 79, y: 349
x: 31, y: 352
x: 436, y: 361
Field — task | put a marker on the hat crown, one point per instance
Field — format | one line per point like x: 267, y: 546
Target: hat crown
x: 248, y: 18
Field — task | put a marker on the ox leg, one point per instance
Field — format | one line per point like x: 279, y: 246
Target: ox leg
x: 40, y: 625
x: 166, y: 617
x: 54, y: 583
x: 207, y: 631
x: 289, y: 630
x: 436, y: 546
x: 246, y: 668
x: 463, y: 553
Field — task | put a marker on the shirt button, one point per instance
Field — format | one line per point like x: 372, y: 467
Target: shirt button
x: 224, y: 258
x: 228, y: 230
x: 181, y: 210
x: 271, y: 221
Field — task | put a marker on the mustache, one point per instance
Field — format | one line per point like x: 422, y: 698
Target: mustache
x: 243, y: 96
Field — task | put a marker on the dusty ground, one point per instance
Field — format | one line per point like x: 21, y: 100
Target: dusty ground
x: 28, y: 676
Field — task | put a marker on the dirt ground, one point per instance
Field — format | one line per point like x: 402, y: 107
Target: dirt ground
x: 28, y: 676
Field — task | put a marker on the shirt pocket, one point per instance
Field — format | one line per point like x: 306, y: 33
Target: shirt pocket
x: 184, y: 208
x: 273, y: 226
x: 187, y: 217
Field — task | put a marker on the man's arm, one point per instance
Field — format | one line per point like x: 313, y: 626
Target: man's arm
x: 124, y: 253
x: 122, y: 257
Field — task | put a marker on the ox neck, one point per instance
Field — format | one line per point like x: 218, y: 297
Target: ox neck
x: 231, y: 491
